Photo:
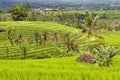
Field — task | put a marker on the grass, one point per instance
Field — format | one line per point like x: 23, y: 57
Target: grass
x: 112, y: 38
x: 28, y: 29
x: 57, y: 69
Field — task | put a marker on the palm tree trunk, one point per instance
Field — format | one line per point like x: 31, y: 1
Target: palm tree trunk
x: 89, y: 36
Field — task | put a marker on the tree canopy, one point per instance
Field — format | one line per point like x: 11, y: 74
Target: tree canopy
x: 19, y: 12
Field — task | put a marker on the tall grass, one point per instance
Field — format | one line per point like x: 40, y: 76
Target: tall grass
x: 57, y: 69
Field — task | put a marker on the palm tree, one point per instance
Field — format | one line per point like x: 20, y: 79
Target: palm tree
x: 56, y: 36
x: 24, y: 51
x: 36, y: 37
x: 90, y: 24
x: 7, y: 52
x: 22, y: 45
x: 10, y: 36
x: 19, y: 40
x: 72, y: 42
x: 40, y: 39
x: 45, y: 34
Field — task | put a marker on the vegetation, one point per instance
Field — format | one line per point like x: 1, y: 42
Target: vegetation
x: 19, y: 12
x: 57, y: 68
x: 40, y: 41
x: 34, y: 39
x: 103, y: 54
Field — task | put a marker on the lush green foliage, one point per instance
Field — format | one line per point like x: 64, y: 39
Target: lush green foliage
x: 19, y: 12
x: 71, y: 18
x: 41, y: 39
x: 57, y: 69
x: 104, y: 54
x: 62, y: 17
x: 52, y: 69
x: 53, y: 48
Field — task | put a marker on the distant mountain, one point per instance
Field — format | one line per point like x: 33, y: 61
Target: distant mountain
x: 70, y: 3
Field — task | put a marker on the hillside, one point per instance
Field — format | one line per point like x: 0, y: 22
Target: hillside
x: 28, y: 30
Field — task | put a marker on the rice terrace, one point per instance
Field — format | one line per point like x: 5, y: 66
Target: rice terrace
x: 59, y: 40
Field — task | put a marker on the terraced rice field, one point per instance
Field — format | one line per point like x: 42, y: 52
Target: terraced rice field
x: 28, y: 29
x: 57, y: 69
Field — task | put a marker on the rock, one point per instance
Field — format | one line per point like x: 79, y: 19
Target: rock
x: 2, y: 30
x: 87, y: 58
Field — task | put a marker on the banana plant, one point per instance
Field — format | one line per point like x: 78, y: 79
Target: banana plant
x: 103, y: 54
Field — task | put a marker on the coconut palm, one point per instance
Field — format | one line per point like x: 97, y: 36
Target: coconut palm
x: 56, y: 37
x: 40, y: 39
x: 22, y: 45
x: 72, y: 42
x: 45, y: 34
x: 7, y: 52
x: 19, y: 40
x: 36, y: 37
x: 10, y: 36
x: 90, y: 24
x: 24, y: 51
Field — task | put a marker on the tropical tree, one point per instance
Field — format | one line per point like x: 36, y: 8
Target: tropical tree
x: 36, y: 37
x: 10, y: 35
x: 19, y: 12
x: 22, y: 45
x: 90, y: 24
x: 72, y: 42
x: 19, y: 40
x: 56, y: 36
x: 40, y: 39
x: 45, y: 35
x: 8, y: 52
